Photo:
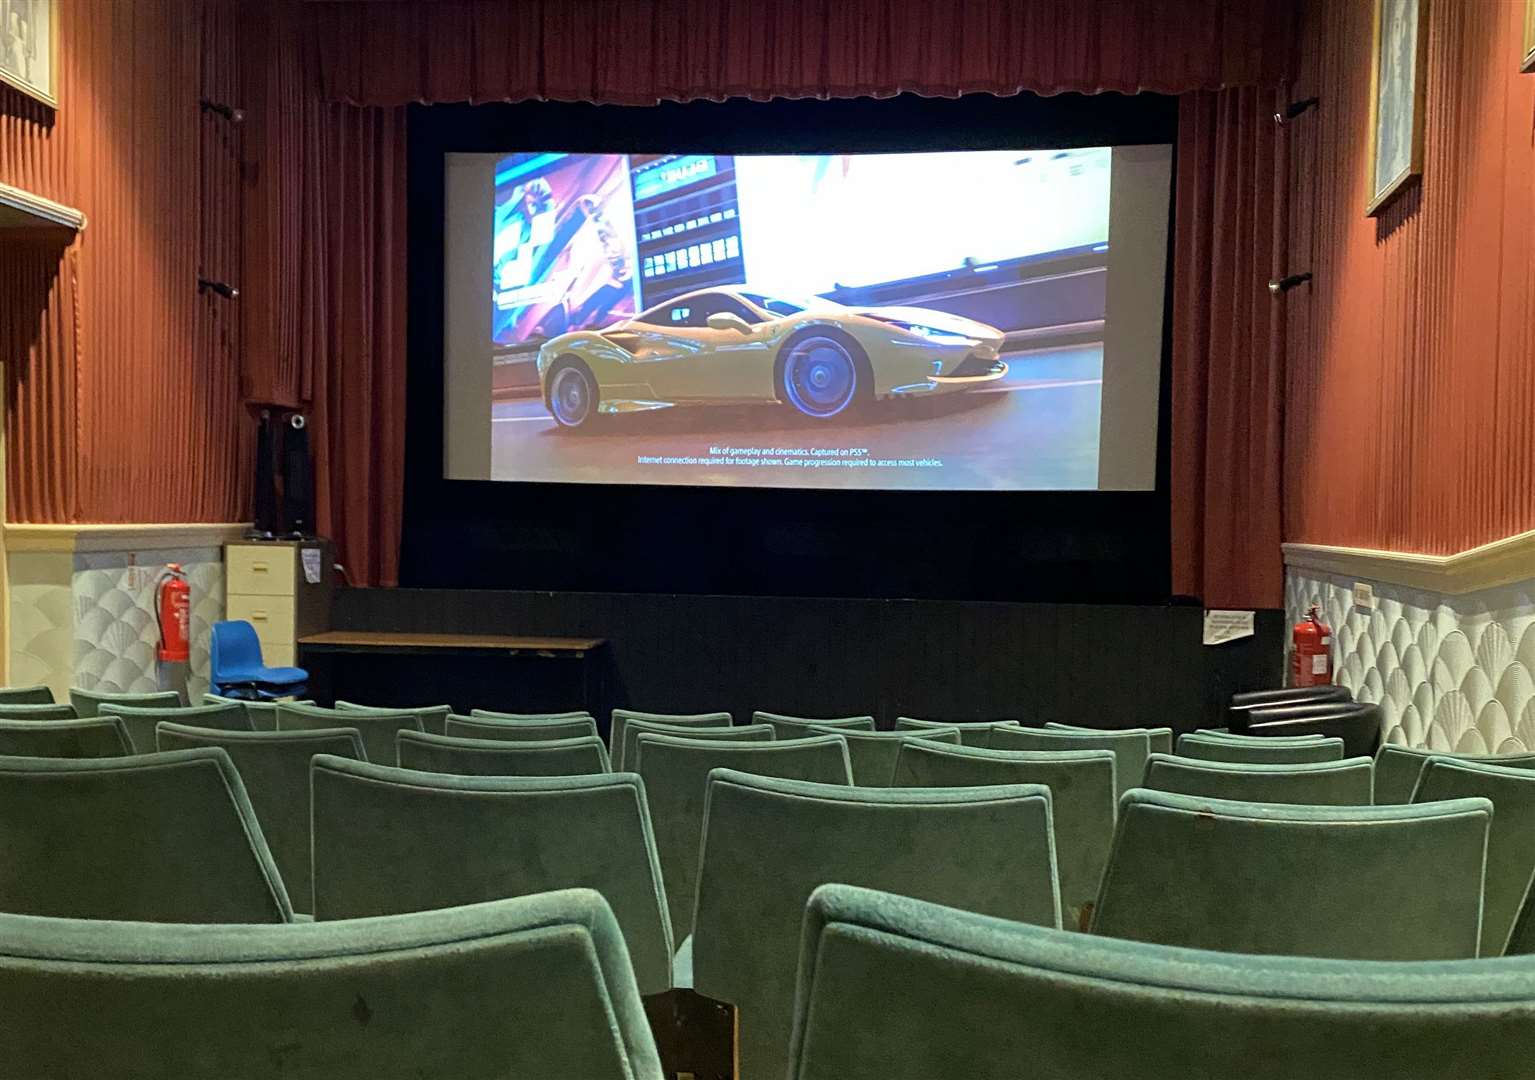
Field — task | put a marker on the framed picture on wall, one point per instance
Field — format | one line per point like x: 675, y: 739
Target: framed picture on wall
x: 1529, y: 37
x: 1396, y: 100
x: 29, y: 48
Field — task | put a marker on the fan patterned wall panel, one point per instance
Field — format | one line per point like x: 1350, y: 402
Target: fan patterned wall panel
x: 116, y: 633
x: 1450, y: 672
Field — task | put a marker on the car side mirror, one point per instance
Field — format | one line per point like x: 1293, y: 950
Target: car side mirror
x: 729, y: 320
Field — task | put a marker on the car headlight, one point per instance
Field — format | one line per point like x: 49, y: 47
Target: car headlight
x: 933, y: 334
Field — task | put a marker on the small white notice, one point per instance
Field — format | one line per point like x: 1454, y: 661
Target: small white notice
x: 1364, y: 596
x: 1224, y: 626
x: 311, y: 559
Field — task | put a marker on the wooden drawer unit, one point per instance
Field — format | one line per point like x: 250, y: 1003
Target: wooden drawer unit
x: 267, y: 584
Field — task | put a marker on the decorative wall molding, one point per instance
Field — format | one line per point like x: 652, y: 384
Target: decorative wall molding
x: 119, y: 537
x: 1501, y: 562
x: 24, y: 210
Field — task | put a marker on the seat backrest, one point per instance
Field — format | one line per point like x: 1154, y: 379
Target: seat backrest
x: 152, y: 838
x: 971, y: 732
x: 26, y: 695
x: 389, y: 840
x: 873, y: 965
x: 274, y: 766
x: 88, y: 703
x: 485, y: 727
x: 377, y: 726
x: 1130, y: 748
x: 540, y: 986
x: 1158, y: 739
x: 1397, y: 768
x: 676, y: 773
x: 536, y: 717
x: 1249, y: 877
x: 1288, y: 695
x: 769, y: 843
x: 433, y: 717
x: 1081, y: 784
x: 1259, y: 749
x: 232, y: 647
x: 102, y: 737
x: 1510, y: 840
x: 426, y: 752
x: 798, y: 727
x: 141, y: 721
x: 621, y: 718
x: 1318, y: 783
x: 873, y: 753
x: 38, y: 712
x: 261, y: 714
x: 634, y: 728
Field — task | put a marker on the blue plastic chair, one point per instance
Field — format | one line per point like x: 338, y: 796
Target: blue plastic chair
x: 237, y: 669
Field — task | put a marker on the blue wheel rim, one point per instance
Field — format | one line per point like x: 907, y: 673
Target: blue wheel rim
x: 819, y: 377
x: 570, y: 397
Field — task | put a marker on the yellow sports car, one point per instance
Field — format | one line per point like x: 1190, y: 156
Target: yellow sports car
x: 735, y: 346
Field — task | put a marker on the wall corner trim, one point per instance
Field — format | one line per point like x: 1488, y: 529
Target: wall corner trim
x: 1498, y: 563
x: 119, y: 536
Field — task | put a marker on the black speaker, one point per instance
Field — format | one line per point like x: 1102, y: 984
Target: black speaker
x: 265, y: 527
x: 297, y: 479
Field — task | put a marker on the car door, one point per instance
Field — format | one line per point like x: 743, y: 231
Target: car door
x: 687, y: 360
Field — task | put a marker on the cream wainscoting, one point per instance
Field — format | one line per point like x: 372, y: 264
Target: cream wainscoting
x: 1448, y: 649
x: 80, y: 601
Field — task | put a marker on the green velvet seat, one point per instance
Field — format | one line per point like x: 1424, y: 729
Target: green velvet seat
x: 508, y: 730
x: 1159, y: 739
x: 971, y: 732
x: 676, y: 773
x: 38, y: 712
x: 141, y: 720
x: 1257, y: 749
x: 1510, y: 841
x: 1130, y: 748
x: 103, y: 737
x: 262, y: 714
x: 389, y: 840
x: 536, y: 717
x: 621, y: 718
x: 1397, y: 768
x: 634, y: 728
x: 378, y: 727
x: 426, y: 752
x: 1297, y: 880
x: 1320, y: 783
x: 433, y: 717
x: 873, y: 753
x: 769, y: 843
x: 897, y: 989
x: 274, y: 767
x: 1082, y: 805
x: 539, y: 986
x: 799, y: 727
x: 151, y: 838
x: 88, y: 703
x: 26, y: 695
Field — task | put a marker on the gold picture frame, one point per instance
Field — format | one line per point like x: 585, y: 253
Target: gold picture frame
x: 1397, y: 75
x: 29, y: 48
x: 1528, y: 64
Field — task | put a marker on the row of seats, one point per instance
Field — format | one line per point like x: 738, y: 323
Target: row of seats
x: 886, y: 988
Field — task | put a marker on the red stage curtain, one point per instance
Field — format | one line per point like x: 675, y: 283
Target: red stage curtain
x: 1228, y: 351
x: 638, y: 52
x: 344, y: 342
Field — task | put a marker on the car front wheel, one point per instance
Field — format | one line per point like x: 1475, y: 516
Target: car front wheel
x: 573, y: 396
x: 821, y: 377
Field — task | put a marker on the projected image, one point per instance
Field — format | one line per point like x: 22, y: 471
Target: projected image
x: 926, y: 320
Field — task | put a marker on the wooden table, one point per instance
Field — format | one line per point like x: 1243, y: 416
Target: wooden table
x: 406, y: 667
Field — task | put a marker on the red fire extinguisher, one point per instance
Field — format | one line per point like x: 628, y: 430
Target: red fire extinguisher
x: 1311, y: 652
x: 173, y: 609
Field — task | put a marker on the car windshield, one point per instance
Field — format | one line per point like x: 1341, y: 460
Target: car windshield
x: 781, y: 305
